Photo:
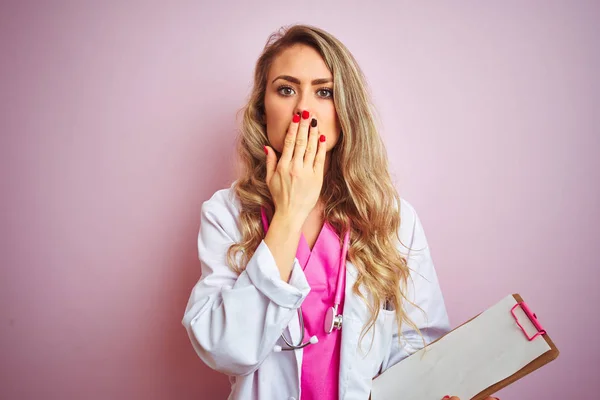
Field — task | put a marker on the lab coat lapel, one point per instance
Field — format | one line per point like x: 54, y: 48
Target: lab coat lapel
x: 350, y: 330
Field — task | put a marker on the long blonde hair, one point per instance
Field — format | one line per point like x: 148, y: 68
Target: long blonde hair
x: 349, y: 192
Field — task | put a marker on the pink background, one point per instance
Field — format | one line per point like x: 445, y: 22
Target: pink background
x: 118, y: 121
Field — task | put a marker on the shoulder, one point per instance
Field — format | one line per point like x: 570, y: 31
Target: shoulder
x: 411, y: 234
x: 223, y: 199
x: 222, y: 209
x: 408, y: 214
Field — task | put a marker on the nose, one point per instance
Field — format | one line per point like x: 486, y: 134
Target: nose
x: 304, y: 103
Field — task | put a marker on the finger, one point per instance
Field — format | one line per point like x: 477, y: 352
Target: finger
x: 301, y: 140
x: 319, y: 165
x: 447, y: 397
x: 313, y: 143
x: 290, y: 140
x: 271, y: 163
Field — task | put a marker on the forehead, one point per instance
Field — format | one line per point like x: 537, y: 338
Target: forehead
x: 300, y: 61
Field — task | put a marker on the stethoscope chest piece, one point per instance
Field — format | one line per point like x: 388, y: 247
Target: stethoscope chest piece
x: 332, y: 319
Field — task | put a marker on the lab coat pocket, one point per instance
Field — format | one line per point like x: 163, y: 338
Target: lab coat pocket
x: 375, y: 344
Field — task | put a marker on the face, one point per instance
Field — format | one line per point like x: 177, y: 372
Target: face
x: 290, y: 89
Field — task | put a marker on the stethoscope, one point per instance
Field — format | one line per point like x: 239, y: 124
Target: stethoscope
x: 333, y: 320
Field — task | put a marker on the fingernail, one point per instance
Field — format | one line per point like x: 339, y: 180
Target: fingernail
x: 322, y: 138
x: 445, y: 397
x: 266, y: 150
x: 313, y: 123
x: 296, y: 118
x: 305, y: 114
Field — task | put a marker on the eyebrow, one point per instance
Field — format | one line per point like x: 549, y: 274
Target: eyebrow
x: 297, y: 81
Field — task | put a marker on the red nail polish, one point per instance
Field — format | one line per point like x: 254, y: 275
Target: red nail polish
x: 296, y: 118
x: 305, y: 114
x: 266, y: 151
x: 445, y: 397
x: 322, y: 138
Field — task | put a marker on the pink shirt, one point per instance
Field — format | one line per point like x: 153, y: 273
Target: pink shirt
x: 321, y: 361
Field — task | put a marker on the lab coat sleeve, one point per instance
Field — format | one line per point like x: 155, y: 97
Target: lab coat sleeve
x: 422, y: 289
x: 235, y: 321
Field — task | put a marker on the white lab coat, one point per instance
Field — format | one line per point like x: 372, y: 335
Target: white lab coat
x: 234, y: 321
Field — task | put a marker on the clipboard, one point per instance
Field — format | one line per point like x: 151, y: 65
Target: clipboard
x: 510, y: 321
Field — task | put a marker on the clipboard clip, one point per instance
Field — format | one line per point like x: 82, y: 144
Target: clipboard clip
x: 532, y: 317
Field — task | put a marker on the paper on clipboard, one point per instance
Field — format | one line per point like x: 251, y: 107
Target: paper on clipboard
x: 467, y: 360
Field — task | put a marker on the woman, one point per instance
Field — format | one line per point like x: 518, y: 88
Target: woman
x: 312, y: 241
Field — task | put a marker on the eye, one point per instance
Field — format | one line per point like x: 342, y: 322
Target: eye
x: 285, y: 91
x: 325, y: 93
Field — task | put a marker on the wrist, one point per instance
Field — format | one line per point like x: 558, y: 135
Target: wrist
x: 290, y: 222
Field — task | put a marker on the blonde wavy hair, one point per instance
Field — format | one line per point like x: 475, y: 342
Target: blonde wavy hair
x: 349, y: 191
